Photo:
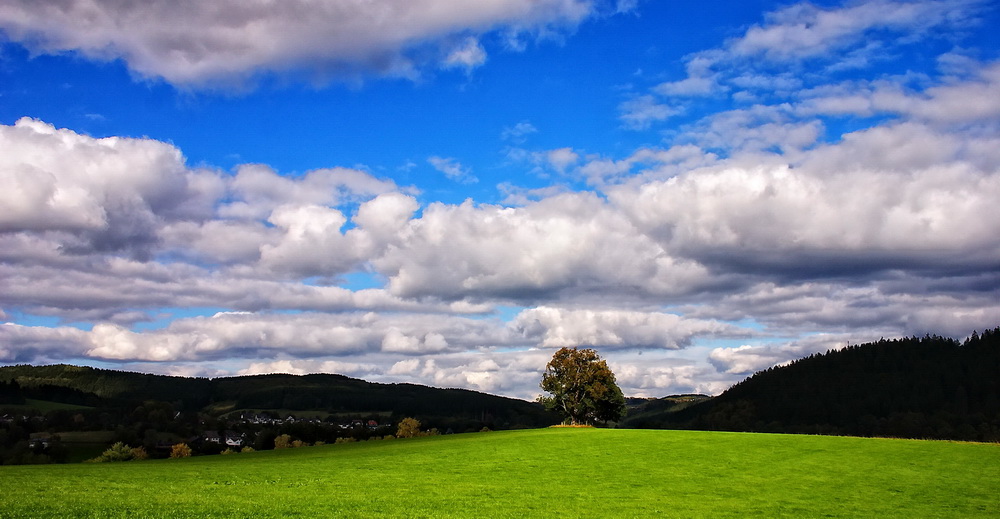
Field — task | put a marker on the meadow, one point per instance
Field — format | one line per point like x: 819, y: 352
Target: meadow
x: 535, y: 473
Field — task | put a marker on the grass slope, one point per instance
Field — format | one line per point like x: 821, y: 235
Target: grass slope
x: 535, y: 473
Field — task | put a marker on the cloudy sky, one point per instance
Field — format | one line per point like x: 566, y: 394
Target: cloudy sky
x: 444, y: 191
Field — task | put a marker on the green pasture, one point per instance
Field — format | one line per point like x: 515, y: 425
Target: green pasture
x: 535, y: 473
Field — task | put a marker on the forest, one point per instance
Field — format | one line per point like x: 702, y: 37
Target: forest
x: 918, y: 387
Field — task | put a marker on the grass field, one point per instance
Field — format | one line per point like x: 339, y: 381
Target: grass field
x: 536, y: 473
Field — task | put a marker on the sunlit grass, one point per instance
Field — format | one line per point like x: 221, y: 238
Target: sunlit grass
x: 539, y: 473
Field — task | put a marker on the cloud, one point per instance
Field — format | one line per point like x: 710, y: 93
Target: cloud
x: 901, y: 196
x: 973, y: 100
x: 257, y: 189
x: 195, y: 44
x: 748, y: 359
x: 469, y: 55
x: 304, y: 335
x: 453, y: 169
x: 559, y: 328
x: 803, y: 30
x: 519, y: 132
x: 767, y: 61
x: 97, y: 195
x: 563, y: 245
x: 641, y: 111
x: 700, y: 81
x: 562, y: 158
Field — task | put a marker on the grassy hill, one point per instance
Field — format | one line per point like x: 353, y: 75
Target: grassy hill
x: 535, y: 473
x: 324, y: 393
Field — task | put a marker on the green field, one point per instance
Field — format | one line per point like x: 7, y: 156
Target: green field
x: 535, y: 473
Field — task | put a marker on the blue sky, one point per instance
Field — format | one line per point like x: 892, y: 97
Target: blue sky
x: 444, y: 192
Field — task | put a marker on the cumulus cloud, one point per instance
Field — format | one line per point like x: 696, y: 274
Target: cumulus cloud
x: 563, y: 245
x: 891, y: 197
x: 256, y: 335
x: 103, y: 195
x: 754, y: 226
x: 559, y: 328
x: 192, y: 43
x: 257, y: 190
x: 972, y: 100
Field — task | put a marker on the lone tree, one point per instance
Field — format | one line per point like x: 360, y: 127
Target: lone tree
x: 583, y: 388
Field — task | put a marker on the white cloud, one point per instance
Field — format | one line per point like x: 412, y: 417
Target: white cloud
x: 469, y: 55
x: 193, y: 43
x: 972, y: 100
x: 558, y: 327
x: 562, y: 158
x: 700, y: 80
x: 642, y: 111
x: 567, y: 244
x: 105, y: 194
x: 257, y: 189
x: 304, y: 335
x: 803, y: 30
x: 519, y: 132
x: 884, y: 197
x: 453, y: 169
x: 747, y: 359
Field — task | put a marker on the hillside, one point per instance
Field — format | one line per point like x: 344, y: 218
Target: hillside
x: 930, y: 387
x: 153, y: 410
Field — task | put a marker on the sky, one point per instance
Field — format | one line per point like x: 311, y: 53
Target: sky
x: 445, y: 192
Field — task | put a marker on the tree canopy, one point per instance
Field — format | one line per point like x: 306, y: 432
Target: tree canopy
x: 582, y: 387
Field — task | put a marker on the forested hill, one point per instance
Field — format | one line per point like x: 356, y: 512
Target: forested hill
x: 930, y: 387
x: 328, y: 393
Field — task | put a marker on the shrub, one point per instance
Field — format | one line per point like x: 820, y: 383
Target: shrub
x: 283, y: 442
x: 247, y: 449
x: 180, y: 450
x: 408, y: 428
x: 228, y: 451
x: 117, y: 452
x: 139, y: 453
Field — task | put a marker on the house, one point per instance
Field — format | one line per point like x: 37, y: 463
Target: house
x: 234, y: 439
x: 211, y: 437
x: 39, y: 440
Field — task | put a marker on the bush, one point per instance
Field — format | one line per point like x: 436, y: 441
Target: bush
x: 139, y: 453
x: 247, y: 449
x: 180, y: 450
x: 118, y: 452
x: 408, y: 428
x: 228, y: 451
x: 283, y: 442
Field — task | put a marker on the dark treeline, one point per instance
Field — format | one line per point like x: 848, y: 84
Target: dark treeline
x: 42, y: 402
x: 929, y: 387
